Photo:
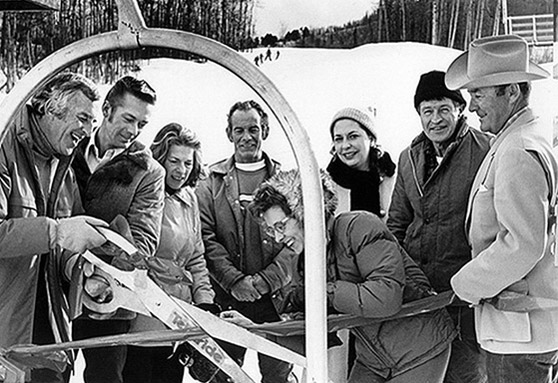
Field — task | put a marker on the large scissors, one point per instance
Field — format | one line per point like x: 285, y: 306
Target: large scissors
x: 135, y: 291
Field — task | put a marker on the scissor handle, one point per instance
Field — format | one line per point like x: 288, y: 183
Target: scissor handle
x: 120, y: 282
x: 114, y: 303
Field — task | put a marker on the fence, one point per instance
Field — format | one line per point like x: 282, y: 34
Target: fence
x: 536, y: 29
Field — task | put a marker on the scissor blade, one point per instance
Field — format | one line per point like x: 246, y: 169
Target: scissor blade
x: 118, y: 240
x: 170, y: 313
x: 221, y: 329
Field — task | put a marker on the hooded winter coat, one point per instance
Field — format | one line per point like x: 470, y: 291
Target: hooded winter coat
x: 427, y: 215
x: 24, y: 235
x: 373, y: 277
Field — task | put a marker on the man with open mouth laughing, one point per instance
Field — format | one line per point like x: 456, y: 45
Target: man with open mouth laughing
x: 37, y: 199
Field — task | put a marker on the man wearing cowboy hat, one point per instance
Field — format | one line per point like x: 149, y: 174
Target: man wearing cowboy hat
x: 510, y: 212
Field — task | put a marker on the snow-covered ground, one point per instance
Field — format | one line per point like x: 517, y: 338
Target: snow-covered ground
x: 316, y: 83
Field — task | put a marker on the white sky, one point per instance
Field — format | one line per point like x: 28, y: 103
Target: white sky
x: 280, y: 16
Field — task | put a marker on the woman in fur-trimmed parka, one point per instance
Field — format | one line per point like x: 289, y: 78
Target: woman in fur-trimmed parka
x: 369, y: 275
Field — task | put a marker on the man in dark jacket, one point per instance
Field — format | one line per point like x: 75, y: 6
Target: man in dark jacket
x: 429, y: 203
x: 248, y: 269
x: 118, y: 176
x: 37, y: 197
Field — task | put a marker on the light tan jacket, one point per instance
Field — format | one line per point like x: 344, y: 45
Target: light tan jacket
x: 508, y: 227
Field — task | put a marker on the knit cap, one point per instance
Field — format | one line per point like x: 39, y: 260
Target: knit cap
x: 363, y: 118
x: 431, y: 86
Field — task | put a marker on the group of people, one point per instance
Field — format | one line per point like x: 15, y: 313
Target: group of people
x: 260, y: 58
x: 471, y: 211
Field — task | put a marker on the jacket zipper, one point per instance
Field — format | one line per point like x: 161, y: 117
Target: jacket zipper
x: 415, y: 175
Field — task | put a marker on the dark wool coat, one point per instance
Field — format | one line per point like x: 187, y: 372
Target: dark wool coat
x: 130, y: 184
x: 24, y: 236
x: 427, y: 217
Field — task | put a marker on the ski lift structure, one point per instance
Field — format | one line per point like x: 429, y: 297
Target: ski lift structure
x: 29, y: 5
x: 133, y: 33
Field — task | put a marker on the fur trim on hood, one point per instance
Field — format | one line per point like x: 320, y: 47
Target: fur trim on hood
x: 288, y: 184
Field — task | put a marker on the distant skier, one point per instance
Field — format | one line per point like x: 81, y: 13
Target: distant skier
x: 257, y: 60
x: 277, y: 54
x: 268, y: 54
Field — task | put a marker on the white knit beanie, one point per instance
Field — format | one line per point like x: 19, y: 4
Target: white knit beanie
x: 363, y: 118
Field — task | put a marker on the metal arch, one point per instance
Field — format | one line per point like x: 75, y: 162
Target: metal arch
x: 222, y: 55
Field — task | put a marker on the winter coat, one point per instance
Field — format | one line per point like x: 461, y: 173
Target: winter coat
x: 179, y: 265
x: 24, y: 234
x: 364, y: 186
x: 427, y: 217
x: 508, y: 227
x: 373, y: 278
x: 130, y: 184
x: 228, y: 260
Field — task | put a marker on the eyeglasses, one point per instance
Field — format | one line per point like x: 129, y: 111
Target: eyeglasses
x: 279, y: 227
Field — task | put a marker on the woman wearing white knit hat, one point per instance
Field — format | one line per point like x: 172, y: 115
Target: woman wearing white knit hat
x: 358, y: 164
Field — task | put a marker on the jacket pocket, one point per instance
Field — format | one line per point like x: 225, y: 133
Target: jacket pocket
x: 503, y: 326
x: 22, y: 207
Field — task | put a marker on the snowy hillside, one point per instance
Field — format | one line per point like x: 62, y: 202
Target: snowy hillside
x: 316, y: 83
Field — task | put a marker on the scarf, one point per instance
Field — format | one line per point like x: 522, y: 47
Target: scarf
x: 364, y: 186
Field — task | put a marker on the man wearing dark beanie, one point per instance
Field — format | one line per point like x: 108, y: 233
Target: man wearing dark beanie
x: 429, y: 203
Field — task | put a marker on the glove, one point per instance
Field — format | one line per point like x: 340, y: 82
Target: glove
x: 199, y: 367
x: 213, y: 308
x: 244, y: 290
x: 260, y: 284
x: 78, y: 234
x: 112, y: 254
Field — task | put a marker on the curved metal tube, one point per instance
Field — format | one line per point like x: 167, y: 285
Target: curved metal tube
x: 314, y: 227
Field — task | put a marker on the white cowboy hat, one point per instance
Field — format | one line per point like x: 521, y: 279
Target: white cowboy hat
x: 491, y: 61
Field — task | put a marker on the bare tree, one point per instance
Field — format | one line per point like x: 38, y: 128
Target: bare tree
x: 403, y: 20
x: 29, y: 37
x: 454, y: 19
x: 435, y: 16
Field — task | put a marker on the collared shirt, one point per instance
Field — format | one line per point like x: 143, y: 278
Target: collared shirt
x: 508, y: 123
x: 92, y: 153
